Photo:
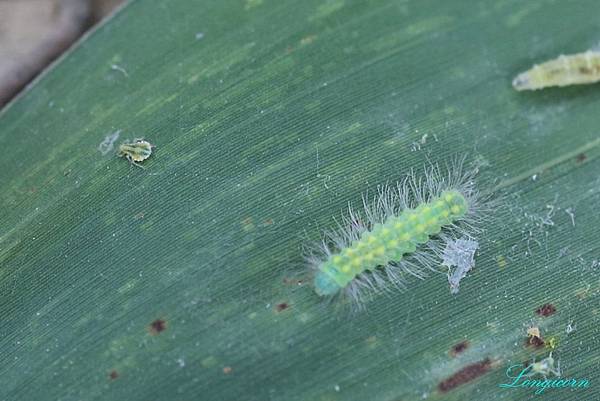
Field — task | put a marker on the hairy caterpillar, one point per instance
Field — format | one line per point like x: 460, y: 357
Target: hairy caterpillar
x: 580, y: 68
x: 403, y: 230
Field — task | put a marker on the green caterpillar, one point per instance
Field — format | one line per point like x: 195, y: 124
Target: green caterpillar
x: 389, y: 241
x: 574, y: 69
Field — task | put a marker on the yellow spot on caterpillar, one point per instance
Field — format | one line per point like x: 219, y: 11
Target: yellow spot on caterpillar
x: 379, y: 250
x: 361, y: 246
x: 356, y: 261
x: 337, y: 259
x: 445, y: 213
x: 393, y: 243
x: 385, y: 232
x: 455, y: 209
x: 574, y: 69
x: 346, y: 268
x: 405, y: 236
x: 398, y: 225
x: 534, y: 332
x: 420, y: 228
x: 412, y: 217
x: 432, y: 222
x: 369, y: 256
x: 449, y: 197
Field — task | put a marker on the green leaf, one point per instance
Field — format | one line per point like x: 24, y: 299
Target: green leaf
x: 181, y: 281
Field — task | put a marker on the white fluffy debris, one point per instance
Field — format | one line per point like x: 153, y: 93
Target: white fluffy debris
x: 459, y: 253
x: 109, y: 142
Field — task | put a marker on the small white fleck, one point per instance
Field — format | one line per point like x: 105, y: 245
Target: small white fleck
x: 122, y: 70
x: 571, y: 214
x: 108, y: 143
x: 181, y: 362
x: 336, y: 388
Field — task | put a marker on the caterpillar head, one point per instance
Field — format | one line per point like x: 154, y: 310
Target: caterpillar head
x: 325, y: 284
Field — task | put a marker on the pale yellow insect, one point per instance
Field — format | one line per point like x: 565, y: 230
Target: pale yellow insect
x: 575, y: 69
x: 136, y: 151
x: 534, y: 332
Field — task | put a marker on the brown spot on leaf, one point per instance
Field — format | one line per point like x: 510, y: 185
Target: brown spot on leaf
x: 157, y: 326
x: 282, y: 306
x: 545, y: 310
x: 465, y: 375
x: 113, y: 374
x: 227, y: 370
x: 580, y: 158
x: 534, y: 341
x: 268, y: 222
x: 459, y: 348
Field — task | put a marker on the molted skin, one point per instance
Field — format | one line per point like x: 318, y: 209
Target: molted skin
x: 389, y: 241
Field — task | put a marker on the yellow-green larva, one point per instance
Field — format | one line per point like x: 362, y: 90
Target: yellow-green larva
x: 574, y: 69
x: 404, y: 229
x: 136, y: 151
x: 389, y: 241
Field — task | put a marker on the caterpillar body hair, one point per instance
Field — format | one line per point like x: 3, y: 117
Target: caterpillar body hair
x: 401, y: 231
x: 574, y: 69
